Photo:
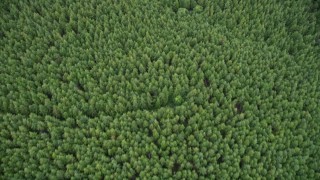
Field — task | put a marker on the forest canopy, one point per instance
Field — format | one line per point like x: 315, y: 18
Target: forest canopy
x: 171, y: 89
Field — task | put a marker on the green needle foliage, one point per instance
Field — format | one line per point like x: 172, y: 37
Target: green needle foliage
x: 147, y: 89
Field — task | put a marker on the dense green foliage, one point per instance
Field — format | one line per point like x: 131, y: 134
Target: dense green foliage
x: 164, y: 89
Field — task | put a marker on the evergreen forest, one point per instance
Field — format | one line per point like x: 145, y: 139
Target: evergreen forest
x: 159, y: 89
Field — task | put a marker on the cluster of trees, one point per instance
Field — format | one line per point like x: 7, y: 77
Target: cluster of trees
x: 190, y: 89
